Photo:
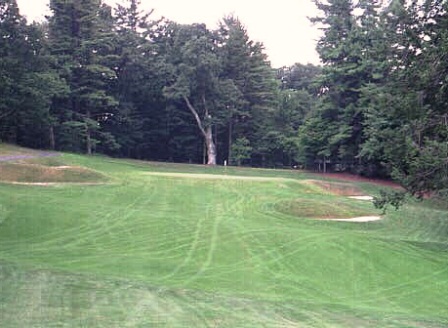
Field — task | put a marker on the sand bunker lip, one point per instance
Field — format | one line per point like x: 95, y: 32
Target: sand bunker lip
x: 361, y: 197
x: 357, y: 219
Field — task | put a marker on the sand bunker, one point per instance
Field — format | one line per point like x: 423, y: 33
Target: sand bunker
x: 361, y: 197
x: 357, y: 219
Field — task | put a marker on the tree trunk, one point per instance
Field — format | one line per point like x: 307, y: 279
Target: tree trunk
x: 52, y: 140
x: 88, y: 136
x: 207, y: 132
x: 211, y: 147
x: 229, y: 156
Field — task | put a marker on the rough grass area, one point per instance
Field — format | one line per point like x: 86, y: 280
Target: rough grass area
x: 179, y: 250
x: 34, y: 173
x: 337, y: 188
x: 56, y: 161
x: 325, y: 208
x: 8, y: 149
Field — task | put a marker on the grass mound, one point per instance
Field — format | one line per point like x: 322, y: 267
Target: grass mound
x: 324, y: 208
x: 337, y: 188
x: 34, y: 173
x: 9, y: 150
x: 56, y: 161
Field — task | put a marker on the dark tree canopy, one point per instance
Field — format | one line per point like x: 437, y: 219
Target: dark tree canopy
x: 382, y: 108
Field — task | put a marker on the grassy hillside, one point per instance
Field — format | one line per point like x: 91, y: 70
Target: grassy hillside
x: 168, y: 245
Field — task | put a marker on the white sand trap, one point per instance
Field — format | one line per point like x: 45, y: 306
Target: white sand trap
x: 358, y: 219
x: 361, y: 197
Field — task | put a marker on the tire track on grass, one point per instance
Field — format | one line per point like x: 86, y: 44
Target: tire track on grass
x: 287, y: 274
x: 191, y: 250
x: 271, y: 255
x: 367, y: 297
x: 258, y: 254
x: 380, y: 293
x: 280, y: 276
x: 87, y: 231
x: 261, y: 256
x: 237, y: 208
x: 91, y: 227
x: 212, y: 246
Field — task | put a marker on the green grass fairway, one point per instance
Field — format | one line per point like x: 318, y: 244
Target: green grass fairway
x: 169, y: 245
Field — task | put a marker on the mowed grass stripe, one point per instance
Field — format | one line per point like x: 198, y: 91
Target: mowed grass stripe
x: 214, y: 252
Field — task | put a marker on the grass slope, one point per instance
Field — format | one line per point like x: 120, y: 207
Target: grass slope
x: 152, y: 250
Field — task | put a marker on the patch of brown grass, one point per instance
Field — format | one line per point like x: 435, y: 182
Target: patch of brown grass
x: 336, y: 188
x: 9, y: 150
x: 32, y: 173
x: 43, y: 161
x: 322, y: 209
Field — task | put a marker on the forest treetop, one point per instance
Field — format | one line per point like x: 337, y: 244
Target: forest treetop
x: 266, y: 22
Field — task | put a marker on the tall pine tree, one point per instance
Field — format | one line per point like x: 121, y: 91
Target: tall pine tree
x: 81, y: 40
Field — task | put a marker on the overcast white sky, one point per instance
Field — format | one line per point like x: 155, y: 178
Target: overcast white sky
x: 281, y: 25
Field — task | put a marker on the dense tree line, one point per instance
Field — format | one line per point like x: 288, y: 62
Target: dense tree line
x: 112, y: 80
x: 382, y: 108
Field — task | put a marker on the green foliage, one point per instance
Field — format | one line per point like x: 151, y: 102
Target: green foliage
x: 27, y: 83
x: 118, y: 68
x: 249, y: 111
x: 389, y: 198
x: 241, y: 150
x: 81, y: 41
x: 300, y: 77
x: 427, y: 170
x: 383, y: 102
x: 341, y: 49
